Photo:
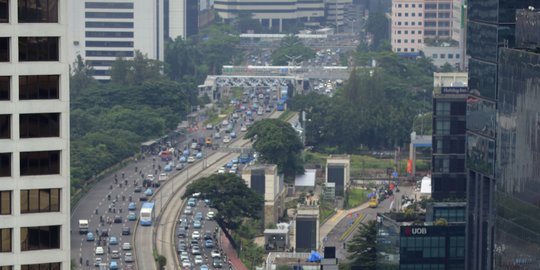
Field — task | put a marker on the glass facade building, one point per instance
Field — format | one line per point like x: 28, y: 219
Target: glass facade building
x: 490, y: 27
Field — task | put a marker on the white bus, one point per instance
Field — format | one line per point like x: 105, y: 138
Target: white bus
x: 147, y: 215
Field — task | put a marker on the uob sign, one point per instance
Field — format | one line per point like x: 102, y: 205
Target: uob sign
x: 415, y: 231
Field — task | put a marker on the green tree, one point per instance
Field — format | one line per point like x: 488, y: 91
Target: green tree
x: 218, y: 43
x: 446, y: 68
x: 230, y: 195
x: 81, y: 76
x: 144, y: 69
x: 184, y: 61
x: 246, y: 23
x: 291, y: 47
x: 377, y: 25
x: 278, y: 143
x: 363, y: 248
x: 119, y: 71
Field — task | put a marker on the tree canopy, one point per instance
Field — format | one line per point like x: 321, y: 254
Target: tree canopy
x: 291, y: 47
x: 230, y: 195
x: 363, y: 248
x: 278, y: 143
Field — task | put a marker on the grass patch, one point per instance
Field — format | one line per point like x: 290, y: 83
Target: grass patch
x: 214, y: 118
x: 356, y: 197
x: 286, y: 115
x: 326, y: 209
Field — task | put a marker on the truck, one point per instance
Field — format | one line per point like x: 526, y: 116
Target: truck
x: 83, y: 226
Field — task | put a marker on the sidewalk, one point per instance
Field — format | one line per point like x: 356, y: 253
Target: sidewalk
x: 229, y: 251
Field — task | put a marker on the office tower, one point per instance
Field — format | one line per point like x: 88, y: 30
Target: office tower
x: 438, y: 19
x: 34, y: 135
x: 490, y: 26
x: 184, y: 18
x: 275, y: 15
x: 407, y: 27
x: 517, y: 199
x: 101, y: 31
x: 448, y: 143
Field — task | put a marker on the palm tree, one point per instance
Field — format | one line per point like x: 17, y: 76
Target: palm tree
x: 362, y: 247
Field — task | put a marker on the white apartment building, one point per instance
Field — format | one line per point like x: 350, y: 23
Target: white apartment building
x: 407, y: 26
x: 277, y: 14
x: 335, y: 11
x: 101, y: 31
x: 34, y: 135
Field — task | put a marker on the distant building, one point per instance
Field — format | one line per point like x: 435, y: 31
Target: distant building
x: 338, y: 171
x: 101, y: 31
x: 306, y: 228
x: 265, y: 180
x: 184, y: 18
x: 450, y: 92
x: 407, y: 27
x: 306, y: 181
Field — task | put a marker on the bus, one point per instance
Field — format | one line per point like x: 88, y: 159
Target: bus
x: 280, y: 106
x: 147, y: 215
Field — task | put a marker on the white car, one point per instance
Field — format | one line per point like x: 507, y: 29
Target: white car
x: 126, y: 246
x: 210, y: 215
x: 184, y: 256
x: 215, y: 254
x: 198, y: 259
x: 226, y: 139
x: 243, y: 129
x: 190, y: 159
x: 221, y: 170
x: 186, y: 263
x: 99, y: 251
x: 115, y: 254
x: 195, y: 235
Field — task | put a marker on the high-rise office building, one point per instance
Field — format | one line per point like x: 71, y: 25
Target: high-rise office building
x: 490, y: 26
x: 517, y: 223
x: 101, y: 31
x: 184, y: 18
x: 34, y: 135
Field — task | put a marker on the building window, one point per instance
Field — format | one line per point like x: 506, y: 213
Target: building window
x: 5, y: 202
x: 430, y: 24
x: 115, y: 54
x: 399, y: 14
x: 430, y: 15
x: 457, y: 55
x: 399, y: 5
x: 444, y: 32
x: 5, y: 87
x: 442, y: 127
x: 109, y: 24
x: 412, y: 32
x: 406, y: 5
x: 406, y: 23
x: 419, y: 32
x: 108, y: 5
x: 413, y: 5
x: 444, y: 14
x: 412, y: 40
x: 5, y: 235
x: 5, y: 126
x: 434, y: 56
x: 413, y: 14
x: 39, y: 87
x: 398, y: 23
x: 40, y: 163
x: 39, y: 125
x: 399, y: 49
x: 109, y: 15
x: 41, y: 266
x: 450, y: 56
x: 5, y: 164
x: 109, y: 34
x: 429, y: 32
x: 38, y: 11
x: 431, y: 6
x: 4, y: 12
x: 419, y: 5
x: 412, y: 49
x: 444, y: 6
x: 419, y: 23
x: 442, y: 108
x: 442, y: 56
x: 399, y: 32
x: 6, y: 267
x: 406, y: 32
x: 110, y: 44
x: 4, y: 49
x: 405, y: 50
x: 412, y: 23
x: 406, y: 41
x: 406, y: 14
x: 40, y: 200
x: 38, y: 49
x: 38, y: 238
x: 457, y: 246
x: 399, y: 41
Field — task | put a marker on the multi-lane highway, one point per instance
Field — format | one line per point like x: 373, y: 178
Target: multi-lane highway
x: 169, y: 204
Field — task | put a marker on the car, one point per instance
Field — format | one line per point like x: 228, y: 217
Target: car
x: 233, y: 135
x: 90, y: 237
x: 268, y: 109
x: 225, y: 123
x: 182, y: 219
x: 181, y: 232
x: 113, y: 265
x: 217, y: 263
x: 99, y: 250
x: 209, y: 243
x: 117, y: 219
x: 198, y: 259
x: 209, y: 126
x: 207, y: 202
x: 113, y: 241
x: 221, y: 170
x: 184, y: 256
x: 128, y: 257
x: 210, y: 215
x: 198, y: 216
x: 197, y: 224
x: 179, y: 166
x: 226, y: 139
x: 132, y: 206
x: 207, y: 235
x: 188, y: 210
x: 217, y: 135
x: 192, y: 202
x: 195, y: 250
x: 148, y: 192
x: 186, y: 263
x: 190, y: 159
x: 132, y: 216
x: 126, y: 231
x: 137, y: 189
x: 243, y: 129
x: 104, y: 232
x: 97, y: 261
x: 215, y: 254
x: 126, y: 246
x: 115, y: 254
x: 229, y: 165
x: 182, y: 247
x: 195, y: 235
x: 203, y: 267
x: 182, y: 159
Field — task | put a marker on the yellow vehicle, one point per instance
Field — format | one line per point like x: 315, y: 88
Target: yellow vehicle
x: 373, y: 202
x: 208, y: 141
